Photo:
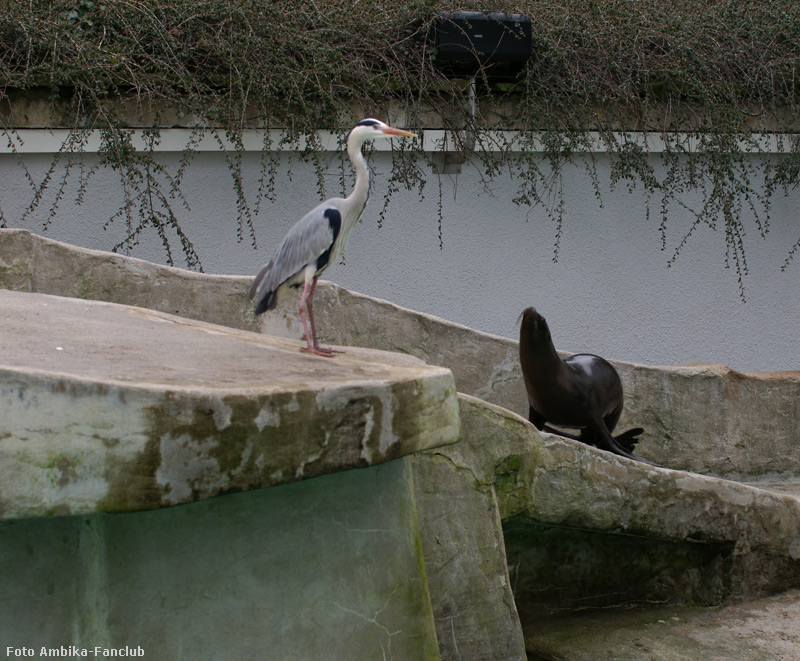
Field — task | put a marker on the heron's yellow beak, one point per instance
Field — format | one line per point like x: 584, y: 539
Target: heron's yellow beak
x: 390, y: 130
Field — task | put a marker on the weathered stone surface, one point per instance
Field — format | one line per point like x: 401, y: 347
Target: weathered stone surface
x: 465, y: 562
x: 328, y: 568
x: 592, y: 489
x: 486, y: 366
x: 113, y: 408
x: 713, y: 420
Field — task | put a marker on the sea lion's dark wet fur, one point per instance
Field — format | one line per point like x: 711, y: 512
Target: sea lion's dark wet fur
x: 582, y: 392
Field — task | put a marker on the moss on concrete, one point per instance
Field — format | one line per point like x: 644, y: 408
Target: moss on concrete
x: 16, y: 276
x: 132, y: 483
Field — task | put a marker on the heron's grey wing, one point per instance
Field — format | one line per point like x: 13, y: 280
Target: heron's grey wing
x: 309, y: 238
x: 258, y: 279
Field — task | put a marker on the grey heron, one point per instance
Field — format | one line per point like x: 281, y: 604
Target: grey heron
x: 317, y: 240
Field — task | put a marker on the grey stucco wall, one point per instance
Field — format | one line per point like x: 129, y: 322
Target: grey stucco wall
x: 610, y: 292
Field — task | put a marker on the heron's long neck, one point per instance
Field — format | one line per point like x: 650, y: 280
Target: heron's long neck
x: 358, y: 197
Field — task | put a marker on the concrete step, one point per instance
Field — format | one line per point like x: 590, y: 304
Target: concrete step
x: 765, y: 629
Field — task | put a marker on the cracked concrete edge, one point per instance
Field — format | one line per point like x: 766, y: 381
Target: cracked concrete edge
x: 74, y: 447
x: 465, y: 562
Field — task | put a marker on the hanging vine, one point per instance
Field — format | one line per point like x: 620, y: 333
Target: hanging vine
x: 706, y: 78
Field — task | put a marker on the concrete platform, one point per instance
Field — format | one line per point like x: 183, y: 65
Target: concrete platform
x: 109, y: 408
x: 765, y: 629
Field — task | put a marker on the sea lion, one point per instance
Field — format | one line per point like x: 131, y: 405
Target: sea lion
x: 582, y: 392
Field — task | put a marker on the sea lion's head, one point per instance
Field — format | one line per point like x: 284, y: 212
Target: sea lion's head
x: 534, y: 327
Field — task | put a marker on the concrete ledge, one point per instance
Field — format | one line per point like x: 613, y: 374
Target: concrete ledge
x: 112, y: 408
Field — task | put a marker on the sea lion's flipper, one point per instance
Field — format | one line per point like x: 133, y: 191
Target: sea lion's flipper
x: 606, y: 441
x: 627, y: 440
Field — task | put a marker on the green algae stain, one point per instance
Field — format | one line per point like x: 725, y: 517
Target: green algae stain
x: 132, y: 484
x: 511, y: 489
x: 16, y: 276
x: 417, y: 592
x: 253, y: 442
x: 249, y: 441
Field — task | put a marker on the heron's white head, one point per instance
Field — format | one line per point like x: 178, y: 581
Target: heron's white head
x: 369, y: 129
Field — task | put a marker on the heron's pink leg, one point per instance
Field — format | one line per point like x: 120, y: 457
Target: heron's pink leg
x: 325, y: 350
x: 309, y: 348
